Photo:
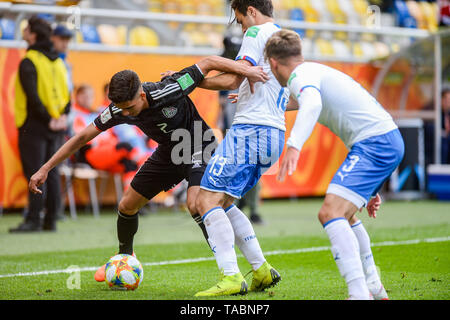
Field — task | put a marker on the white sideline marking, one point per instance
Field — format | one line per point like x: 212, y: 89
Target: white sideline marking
x: 268, y: 253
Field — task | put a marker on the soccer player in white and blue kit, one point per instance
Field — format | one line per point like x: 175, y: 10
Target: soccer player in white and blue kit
x: 335, y: 100
x: 253, y: 143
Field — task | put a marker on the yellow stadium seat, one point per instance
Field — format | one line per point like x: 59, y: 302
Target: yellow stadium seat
x: 109, y: 34
x: 78, y: 37
x: 360, y: 7
x: 338, y: 15
x: 311, y: 14
x: 357, y: 50
x: 324, y: 48
x: 415, y: 10
x: 155, y: 5
x: 321, y: 8
x: 429, y: 13
x: 122, y: 34
x: 347, y: 7
x: 143, y: 36
x: 22, y: 25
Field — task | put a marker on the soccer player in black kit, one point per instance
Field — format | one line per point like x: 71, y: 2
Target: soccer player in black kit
x: 158, y: 109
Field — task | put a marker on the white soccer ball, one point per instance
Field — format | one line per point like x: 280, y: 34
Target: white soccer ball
x: 124, y: 272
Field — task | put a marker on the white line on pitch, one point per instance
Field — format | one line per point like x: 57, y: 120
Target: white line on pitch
x: 268, y: 253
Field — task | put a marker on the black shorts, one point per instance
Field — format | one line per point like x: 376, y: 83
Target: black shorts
x: 160, y: 174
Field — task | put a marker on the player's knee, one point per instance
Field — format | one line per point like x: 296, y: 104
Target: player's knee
x: 199, y: 203
x: 326, y: 214
x: 192, y: 206
x: 127, y: 208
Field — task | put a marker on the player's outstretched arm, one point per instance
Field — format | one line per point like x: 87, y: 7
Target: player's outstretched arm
x: 254, y: 74
x: 66, y: 150
x: 228, y: 80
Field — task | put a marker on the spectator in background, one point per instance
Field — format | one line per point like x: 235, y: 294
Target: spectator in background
x: 61, y: 37
x: 42, y: 101
x: 444, y: 13
x: 121, y: 156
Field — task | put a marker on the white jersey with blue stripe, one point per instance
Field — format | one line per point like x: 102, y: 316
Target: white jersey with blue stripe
x: 266, y: 106
x: 336, y: 101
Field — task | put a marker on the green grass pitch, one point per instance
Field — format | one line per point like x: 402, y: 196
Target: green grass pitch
x: 411, y: 248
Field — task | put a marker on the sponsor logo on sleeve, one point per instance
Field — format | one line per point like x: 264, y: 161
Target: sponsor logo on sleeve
x: 105, y: 116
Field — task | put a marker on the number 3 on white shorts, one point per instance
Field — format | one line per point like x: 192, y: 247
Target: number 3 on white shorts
x: 219, y: 161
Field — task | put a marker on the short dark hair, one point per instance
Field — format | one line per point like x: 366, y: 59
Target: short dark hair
x: 40, y: 27
x: 123, y: 86
x: 283, y: 44
x: 264, y: 6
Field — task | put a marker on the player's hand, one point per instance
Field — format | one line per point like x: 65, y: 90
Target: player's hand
x: 373, y: 206
x: 233, y: 97
x: 256, y: 74
x: 289, y: 163
x: 167, y: 74
x: 37, y: 180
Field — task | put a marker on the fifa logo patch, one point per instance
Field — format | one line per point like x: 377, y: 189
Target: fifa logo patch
x: 169, y: 112
x: 105, y: 116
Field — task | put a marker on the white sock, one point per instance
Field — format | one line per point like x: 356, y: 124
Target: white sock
x: 245, y: 237
x: 221, y: 240
x: 345, y: 250
x: 368, y: 263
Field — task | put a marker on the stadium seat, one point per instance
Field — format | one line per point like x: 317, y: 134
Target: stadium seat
x: 430, y: 15
x: 416, y: 11
x: 341, y: 49
x: 110, y: 35
x: 339, y: 16
x: 297, y: 14
x: 353, y: 18
x: 89, y: 33
x: 85, y: 172
x: 7, y: 29
x: 360, y: 7
x: 323, y: 47
x: 321, y: 8
x: 403, y: 17
x: 368, y: 49
x: 143, y: 36
x: 310, y: 14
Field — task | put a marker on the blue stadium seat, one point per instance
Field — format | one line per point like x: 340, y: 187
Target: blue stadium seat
x: 296, y: 14
x: 7, y: 27
x: 90, y: 33
x: 403, y: 17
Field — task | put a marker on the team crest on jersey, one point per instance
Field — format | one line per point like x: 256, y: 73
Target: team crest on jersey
x: 105, y: 116
x: 169, y: 112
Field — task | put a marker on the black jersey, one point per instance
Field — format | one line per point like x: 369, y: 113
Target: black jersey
x: 170, y: 109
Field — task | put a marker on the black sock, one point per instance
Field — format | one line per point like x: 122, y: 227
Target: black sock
x: 126, y: 229
x: 199, y: 221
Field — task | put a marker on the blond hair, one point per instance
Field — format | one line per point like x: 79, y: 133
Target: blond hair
x: 282, y: 45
